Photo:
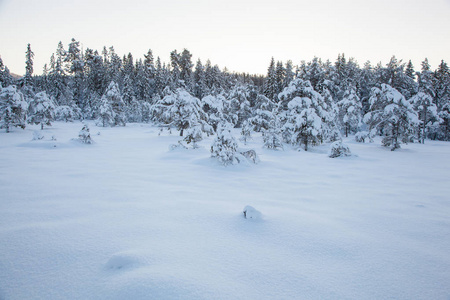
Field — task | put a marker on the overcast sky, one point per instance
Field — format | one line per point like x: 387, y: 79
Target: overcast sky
x: 241, y: 35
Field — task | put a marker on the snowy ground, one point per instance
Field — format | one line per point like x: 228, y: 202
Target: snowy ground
x: 126, y: 218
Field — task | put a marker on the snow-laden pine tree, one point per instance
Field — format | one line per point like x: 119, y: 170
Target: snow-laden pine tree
x: 262, y: 114
x: 225, y: 146
x: 41, y: 110
x: 193, y: 135
x: 444, y: 125
x: 392, y: 116
x: 5, y: 76
x: 112, y: 108
x: 270, y: 85
x: 350, y: 111
x: 303, y: 123
x: 84, y: 136
x: 213, y: 108
x: 75, y: 67
x: 442, y: 85
x: 28, y: 78
x: 246, y: 132
x: 427, y: 112
x: 106, y: 114
x: 13, y: 108
x: 180, y: 110
x: 239, y: 106
x: 272, y: 136
x: 303, y: 113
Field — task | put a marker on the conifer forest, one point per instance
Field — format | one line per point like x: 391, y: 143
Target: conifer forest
x: 302, y: 105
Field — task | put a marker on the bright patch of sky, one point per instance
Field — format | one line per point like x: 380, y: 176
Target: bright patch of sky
x: 241, y: 35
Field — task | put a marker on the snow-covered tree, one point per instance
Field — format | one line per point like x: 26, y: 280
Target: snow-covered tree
x: 444, y: 126
x: 272, y: 136
x: 350, y: 111
x: 270, y: 86
x: 442, y: 85
x: 391, y: 115
x: 179, y: 109
x: 213, y: 108
x: 106, y: 114
x: 13, y: 108
x: 427, y: 111
x: 339, y: 149
x: 303, y: 113
x: 303, y: 123
x: 112, y: 108
x: 84, y: 136
x: 28, y: 78
x: 246, y: 132
x: 225, y: 146
x: 5, y: 76
x: 193, y: 135
x: 41, y: 110
x: 67, y: 113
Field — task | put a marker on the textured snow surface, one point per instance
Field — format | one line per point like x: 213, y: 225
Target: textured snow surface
x: 125, y: 218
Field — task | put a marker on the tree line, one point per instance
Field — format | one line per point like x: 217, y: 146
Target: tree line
x: 304, y: 105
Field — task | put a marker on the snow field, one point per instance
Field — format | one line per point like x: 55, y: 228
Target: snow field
x: 125, y: 218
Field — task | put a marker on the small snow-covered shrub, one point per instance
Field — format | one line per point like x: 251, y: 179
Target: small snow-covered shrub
x: 361, y: 136
x: 37, y: 135
x: 193, y: 135
x: 84, y: 136
x: 272, y: 139
x: 246, y: 132
x: 225, y: 146
x: 339, y: 149
x: 251, y: 156
x: 251, y: 213
x: 177, y: 146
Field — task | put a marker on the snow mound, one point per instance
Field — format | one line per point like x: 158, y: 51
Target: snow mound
x: 251, y: 213
x: 121, y: 261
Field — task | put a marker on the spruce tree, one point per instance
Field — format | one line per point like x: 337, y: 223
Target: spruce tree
x: 29, y: 55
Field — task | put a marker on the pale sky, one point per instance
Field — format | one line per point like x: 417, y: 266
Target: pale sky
x: 241, y: 35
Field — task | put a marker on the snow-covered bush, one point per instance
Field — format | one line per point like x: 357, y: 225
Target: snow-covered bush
x: 225, y: 146
x: 361, y: 136
x: 272, y: 139
x: 339, y: 149
x: 84, y: 136
x: 37, y: 135
x: 250, y: 155
x: 13, y: 108
x: 193, y: 135
x: 246, y: 132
